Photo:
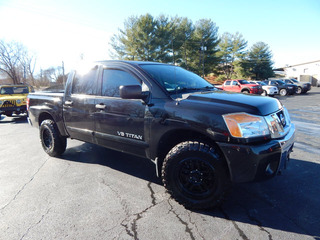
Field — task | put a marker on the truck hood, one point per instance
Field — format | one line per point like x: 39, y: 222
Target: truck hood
x: 238, y: 102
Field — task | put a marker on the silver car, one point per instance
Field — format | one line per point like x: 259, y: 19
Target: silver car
x: 268, y: 90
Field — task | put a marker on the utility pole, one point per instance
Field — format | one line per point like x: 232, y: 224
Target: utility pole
x: 63, y: 78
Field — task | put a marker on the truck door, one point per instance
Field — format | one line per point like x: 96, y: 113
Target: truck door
x: 227, y: 86
x: 236, y: 86
x: 119, y: 122
x: 79, y: 105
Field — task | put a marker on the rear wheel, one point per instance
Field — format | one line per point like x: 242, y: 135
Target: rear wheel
x: 195, y: 175
x: 52, y: 142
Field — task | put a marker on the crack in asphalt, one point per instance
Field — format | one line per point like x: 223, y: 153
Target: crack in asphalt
x: 131, y: 226
x: 257, y: 221
x: 23, y: 187
x: 187, y: 228
x: 195, y: 225
x: 37, y: 223
x: 138, y: 216
x: 241, y: 233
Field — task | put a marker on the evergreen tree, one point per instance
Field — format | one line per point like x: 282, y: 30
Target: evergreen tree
x: 231, y: 50
x: 177, y: 41
x: 183, y: 30
x: 205, y: 42
x: 258, y: 63
x: 137, y: 41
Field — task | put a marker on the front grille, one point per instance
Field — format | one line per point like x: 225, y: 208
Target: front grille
x: 9, y: 103
x: 282, y: 118
x: 279, y: 123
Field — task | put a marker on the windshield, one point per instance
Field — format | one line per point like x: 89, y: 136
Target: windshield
x: 14, y: 90
x: 280, y: 82
x: 176, y: 79
x: 294, y: 80
x: 243, y: 82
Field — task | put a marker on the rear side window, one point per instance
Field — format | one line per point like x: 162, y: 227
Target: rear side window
x: 227, y: 83
x: 113, y: 79
x: 85, y: 83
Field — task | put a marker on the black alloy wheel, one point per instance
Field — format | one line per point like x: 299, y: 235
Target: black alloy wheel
x: 195, y: 175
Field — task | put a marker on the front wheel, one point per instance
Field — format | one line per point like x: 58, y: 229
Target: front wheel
x: 264, y: 93
x: 299, y: 90
x: 195, y: 175
x: 52, y: 142
x: 283, y: 92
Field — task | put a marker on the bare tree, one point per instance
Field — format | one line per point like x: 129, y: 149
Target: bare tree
x: 15, y: 62
x: 54, y: 74
x: 29, y: 64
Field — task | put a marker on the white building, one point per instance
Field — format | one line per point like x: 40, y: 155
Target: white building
x: 305, y: 72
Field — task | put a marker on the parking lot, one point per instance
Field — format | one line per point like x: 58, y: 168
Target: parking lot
x: 95, y: 193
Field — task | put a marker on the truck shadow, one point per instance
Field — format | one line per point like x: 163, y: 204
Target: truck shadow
x: 289, y: 202
x: 93, y: 154
x: 14, y: 119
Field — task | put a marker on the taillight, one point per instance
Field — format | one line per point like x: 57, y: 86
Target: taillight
x: 28, y: 101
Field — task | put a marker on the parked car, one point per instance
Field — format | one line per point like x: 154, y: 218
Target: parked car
x: 303, y: 87
x: 200, y: 139
x: 268, y: 90
x: 242, y: 86
x: 13, y: 99
x: 283, y: 88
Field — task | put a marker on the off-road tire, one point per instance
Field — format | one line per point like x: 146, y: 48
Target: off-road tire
x: 52, y: 142
x: 195, y: 175
x: 283, y: 92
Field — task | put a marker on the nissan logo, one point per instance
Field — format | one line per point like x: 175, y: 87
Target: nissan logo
x: 282, y: 119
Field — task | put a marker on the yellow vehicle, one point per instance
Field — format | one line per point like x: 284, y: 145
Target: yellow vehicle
x: 13, y: 99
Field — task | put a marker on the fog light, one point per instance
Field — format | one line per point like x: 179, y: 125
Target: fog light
x: 271, y: 168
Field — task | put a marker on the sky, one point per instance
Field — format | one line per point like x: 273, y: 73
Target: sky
x: 61, y: 30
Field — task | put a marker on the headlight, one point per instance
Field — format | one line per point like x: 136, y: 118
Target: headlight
x: 243, y: 125
x: 19, y: 101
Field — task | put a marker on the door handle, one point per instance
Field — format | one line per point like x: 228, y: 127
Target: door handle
x: 68, y: 102
x: 100, y: 106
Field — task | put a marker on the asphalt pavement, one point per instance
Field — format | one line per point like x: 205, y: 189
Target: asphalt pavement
x: 95, y: 193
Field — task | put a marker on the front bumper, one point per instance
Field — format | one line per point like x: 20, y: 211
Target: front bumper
x: 258, y: 162
x: 22, y: 108
x: 272, y: 91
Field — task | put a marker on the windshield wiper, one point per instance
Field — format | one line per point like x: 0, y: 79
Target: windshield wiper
x: 185, y: 90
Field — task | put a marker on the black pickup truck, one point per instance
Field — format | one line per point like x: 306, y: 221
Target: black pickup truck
x: 200, y: 139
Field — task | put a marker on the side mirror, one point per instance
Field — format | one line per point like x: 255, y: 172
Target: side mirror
x: 131, y: 92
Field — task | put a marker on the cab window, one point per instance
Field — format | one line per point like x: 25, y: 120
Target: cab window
x: 85, y: 83
x: 113, y: 79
